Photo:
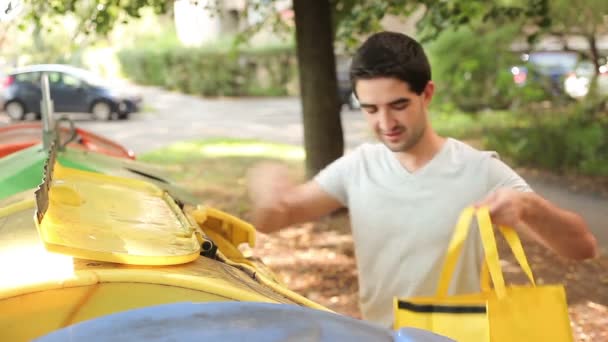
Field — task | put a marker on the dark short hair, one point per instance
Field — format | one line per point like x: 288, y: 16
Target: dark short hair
x: 391, y: 54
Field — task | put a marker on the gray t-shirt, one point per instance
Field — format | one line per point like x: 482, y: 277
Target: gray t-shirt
x: 402, y: 222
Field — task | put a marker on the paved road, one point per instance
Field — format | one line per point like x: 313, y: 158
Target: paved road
x: 175, y: 117
x: 593, y: 207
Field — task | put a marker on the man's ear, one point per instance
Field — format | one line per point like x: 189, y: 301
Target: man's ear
x: 428, y: 92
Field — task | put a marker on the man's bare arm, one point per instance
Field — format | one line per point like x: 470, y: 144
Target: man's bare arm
x: 278, y: 202
x: 563, y: 231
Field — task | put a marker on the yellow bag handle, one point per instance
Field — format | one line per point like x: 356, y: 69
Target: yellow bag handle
x: 492, y: 263
x: 512, y: 240
x: 458, y: 238
x: 518, y: 251
x: 491, y: 252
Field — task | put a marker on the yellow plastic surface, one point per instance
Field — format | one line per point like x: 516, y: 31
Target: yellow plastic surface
x: 50, y: 310
x: 28, y: 267
x: 106, y: 218
x: 55, y: 290
x: 226, y: 231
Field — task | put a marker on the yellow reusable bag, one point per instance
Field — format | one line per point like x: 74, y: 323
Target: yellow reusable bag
x: 503, y: 313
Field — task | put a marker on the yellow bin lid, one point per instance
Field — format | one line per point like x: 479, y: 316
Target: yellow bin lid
x: 107, y: 218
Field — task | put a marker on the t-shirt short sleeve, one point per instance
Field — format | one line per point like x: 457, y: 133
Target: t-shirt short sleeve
x: 334, y: 178
x: 500, y: 175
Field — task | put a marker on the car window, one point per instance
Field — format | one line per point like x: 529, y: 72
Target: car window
x: 554, y: 61
x: 28, y: 77
x: 54, y: 78
x: 71, y: 81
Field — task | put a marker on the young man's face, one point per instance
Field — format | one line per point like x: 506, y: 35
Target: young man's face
x: 395, y: 113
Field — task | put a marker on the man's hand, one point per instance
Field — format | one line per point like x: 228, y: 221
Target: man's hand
x: 266, y: 181
x: 506, y: 207
x: 267, y: 184
x: 277, y: 202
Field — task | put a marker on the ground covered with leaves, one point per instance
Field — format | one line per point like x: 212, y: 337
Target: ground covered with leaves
x: 317, y: 259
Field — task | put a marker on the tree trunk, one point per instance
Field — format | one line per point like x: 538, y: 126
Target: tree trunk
x: 323, y: 138
x: 595, y: 54
x: 595, y: 58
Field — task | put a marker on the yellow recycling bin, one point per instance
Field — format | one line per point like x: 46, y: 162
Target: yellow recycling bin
x: 91, y: 245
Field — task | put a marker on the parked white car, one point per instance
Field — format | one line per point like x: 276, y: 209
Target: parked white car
x: 578, y: 82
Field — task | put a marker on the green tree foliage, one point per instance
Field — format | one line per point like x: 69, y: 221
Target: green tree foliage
x: 98, y: 16
x: 471, y: 67
x: 358, y: 18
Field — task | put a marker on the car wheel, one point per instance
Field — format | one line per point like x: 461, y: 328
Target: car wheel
x: 123, y: 116
x: 15, y: 110
x: 102, y: 111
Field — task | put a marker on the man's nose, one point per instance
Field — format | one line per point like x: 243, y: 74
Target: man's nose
x: 386, y: 121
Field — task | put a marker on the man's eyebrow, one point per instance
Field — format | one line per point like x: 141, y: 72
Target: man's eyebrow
x: 401, y: 100
x: 398, y: 101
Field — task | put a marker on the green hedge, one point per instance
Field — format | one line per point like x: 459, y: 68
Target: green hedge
x: 562, y: 143
x: 213, y: 72
x: 571, y: 139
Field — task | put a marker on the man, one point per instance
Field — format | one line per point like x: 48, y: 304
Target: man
x: 405, y: 194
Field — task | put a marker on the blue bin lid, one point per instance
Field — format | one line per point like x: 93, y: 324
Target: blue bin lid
x: 231, y: 321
